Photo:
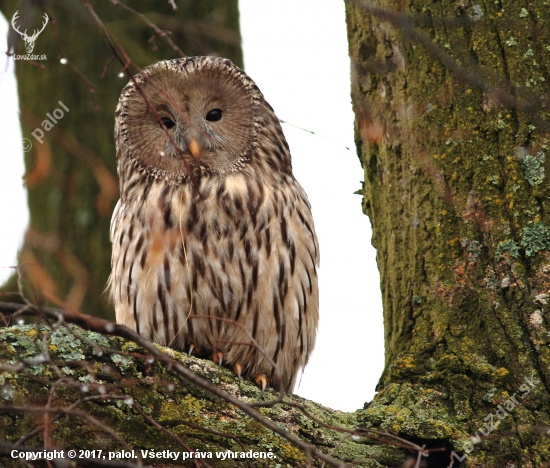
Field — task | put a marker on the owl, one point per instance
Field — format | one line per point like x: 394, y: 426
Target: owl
x: 214, y: 247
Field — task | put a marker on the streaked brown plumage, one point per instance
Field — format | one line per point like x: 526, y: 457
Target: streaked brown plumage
x: 215, y: 226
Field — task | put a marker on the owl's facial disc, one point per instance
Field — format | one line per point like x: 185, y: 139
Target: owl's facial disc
x: 193, y: 113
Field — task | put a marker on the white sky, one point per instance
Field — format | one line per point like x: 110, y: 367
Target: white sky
x: 13, y: 197
x: 296, y: 52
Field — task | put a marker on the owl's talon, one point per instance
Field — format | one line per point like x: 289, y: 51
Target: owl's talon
x: 217, y: 358
x: 238, y: 370
x: 192, y: 348
x: 261, y: 381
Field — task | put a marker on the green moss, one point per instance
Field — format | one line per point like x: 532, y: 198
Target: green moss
x: 412, y: 410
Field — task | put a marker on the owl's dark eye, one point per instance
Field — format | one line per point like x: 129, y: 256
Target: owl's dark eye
x: 168, y: 123
x: 214, y: 115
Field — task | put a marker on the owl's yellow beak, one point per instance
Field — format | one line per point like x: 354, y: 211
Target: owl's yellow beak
x: 194, y: 149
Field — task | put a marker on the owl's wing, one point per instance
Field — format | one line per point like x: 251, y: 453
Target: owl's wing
x: 114, y: 221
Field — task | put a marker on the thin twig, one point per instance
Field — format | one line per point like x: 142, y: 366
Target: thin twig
x: 159, y: 32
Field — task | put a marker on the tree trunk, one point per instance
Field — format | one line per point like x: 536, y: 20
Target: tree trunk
x: 452, y: 132
x: 71, y: 172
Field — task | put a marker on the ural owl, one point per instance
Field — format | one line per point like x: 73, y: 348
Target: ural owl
x: 213, y: 238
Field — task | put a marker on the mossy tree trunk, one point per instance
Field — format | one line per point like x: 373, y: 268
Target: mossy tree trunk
x: 71, y: 173
x: 452, y: 133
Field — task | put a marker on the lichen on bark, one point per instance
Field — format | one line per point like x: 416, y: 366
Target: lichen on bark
x: 447, y: 97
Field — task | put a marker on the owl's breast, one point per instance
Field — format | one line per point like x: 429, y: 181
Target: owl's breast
x: 238, y: 251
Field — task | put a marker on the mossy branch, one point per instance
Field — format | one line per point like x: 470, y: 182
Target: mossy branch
x: 70, y: 375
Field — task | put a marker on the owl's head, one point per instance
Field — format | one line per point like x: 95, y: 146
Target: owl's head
x: 199, y: 114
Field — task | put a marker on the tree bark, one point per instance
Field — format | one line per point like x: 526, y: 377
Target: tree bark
x: 71, y: 172
x: 452, y: 132
x: 63, y: 388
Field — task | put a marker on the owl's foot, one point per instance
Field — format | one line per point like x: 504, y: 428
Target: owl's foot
x: 261, y: 381
x: 193, y: 348
x: 238, y: 370
x: 217, y: 357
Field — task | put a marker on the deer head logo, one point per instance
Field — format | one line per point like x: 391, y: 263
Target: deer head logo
x: 29, y: 40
